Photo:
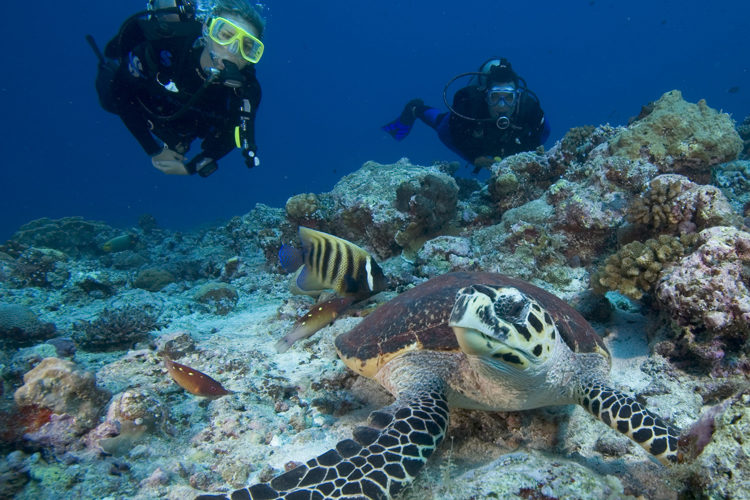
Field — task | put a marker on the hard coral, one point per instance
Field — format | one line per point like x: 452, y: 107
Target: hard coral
x: 41, y: 267
x: 674, y: 204
x: 709, y: 289
x: 72, y: 235
x: 680, y: 137
x: 20, y: 327
x: 304, y: 209
x: 115, y: 329
x: 636, y: 267
x: 60, y: 386
x: 220, y: 297
x: 521, y: 178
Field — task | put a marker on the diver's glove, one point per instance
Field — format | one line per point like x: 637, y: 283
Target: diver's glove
x: 202, y: 165
x: 251, y: 159
x: 411, y: 111
x: 170, y: 162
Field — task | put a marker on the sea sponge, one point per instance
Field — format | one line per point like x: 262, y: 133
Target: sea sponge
x: 115, y: 329
x: 672, y: 203
x: 20, y: 327
x: 60, y: 386
x: 680, y: 137
x: 636, y: 267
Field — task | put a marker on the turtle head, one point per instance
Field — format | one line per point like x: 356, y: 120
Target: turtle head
x: 503, y: 324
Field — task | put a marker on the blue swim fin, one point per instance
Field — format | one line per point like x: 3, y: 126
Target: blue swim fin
x: 401, y: 126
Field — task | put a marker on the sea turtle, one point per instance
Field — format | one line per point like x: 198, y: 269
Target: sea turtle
x: 469, y: 340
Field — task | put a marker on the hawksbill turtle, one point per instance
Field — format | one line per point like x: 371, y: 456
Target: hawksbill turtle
x: 470, y: 340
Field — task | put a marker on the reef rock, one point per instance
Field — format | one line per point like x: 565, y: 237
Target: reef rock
x: 72, y: 235
x: 708, y: 288
x: 385, y: 207
x: 58, y: 385
x: 679, y: 136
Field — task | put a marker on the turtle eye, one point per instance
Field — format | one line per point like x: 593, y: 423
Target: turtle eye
x: 511, y: 305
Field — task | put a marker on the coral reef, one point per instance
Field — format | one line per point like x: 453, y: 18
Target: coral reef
x: 637, y: 266
x: 708, y: 293
x: 41, y: 267
x: 445, y: 254
x: 219, y: 297
x: 520, y: 178
x: 744, y: 130
x: 72, y: 235
x: 305, y: 210
x: 674, y: 204
x: 19, y: 327
x: 680, y: 137
x: 115, y: 329
x: 60, y: 386
x: 733, y: 179
x: 153, y: 280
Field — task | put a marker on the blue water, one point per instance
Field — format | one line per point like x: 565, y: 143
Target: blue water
x: 332, y: 73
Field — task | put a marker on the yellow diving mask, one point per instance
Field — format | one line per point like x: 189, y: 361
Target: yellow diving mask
x: 226, y: 33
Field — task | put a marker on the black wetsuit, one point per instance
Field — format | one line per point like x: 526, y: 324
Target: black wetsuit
x: 159, y: 73
x: 472, y: 139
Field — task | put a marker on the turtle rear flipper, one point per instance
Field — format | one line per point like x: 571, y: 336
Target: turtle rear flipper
x: 627, y: 416
x: 382, y: 458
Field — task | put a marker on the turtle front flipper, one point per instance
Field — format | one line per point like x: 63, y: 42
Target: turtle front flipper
x: 383, y: 457
x: 626, y: 415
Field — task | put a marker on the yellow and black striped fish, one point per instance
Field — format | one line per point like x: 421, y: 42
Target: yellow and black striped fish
x: 326, y: 261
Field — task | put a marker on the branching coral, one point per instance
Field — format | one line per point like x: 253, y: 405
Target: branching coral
x: 115, y: 329
x: 635, y: 269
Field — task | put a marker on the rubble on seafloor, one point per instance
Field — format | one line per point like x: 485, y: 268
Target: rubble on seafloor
x: 640, y: 227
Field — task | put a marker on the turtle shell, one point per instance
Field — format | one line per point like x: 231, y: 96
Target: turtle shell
x: 418, y: 319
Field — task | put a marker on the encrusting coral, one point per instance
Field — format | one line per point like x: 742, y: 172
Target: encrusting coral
x: 636, y: 267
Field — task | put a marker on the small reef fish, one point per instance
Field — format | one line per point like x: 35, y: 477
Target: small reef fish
x: 319, y: 316
x: 119, y: 243
x: 326, y: 261
x: 194, y: 381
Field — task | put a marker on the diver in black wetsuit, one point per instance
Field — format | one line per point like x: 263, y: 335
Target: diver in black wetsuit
x: 493, y: 117
x: 177, y: 79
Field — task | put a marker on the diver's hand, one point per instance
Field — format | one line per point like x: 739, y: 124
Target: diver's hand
x: 251, y: 159
x: 170, y: 162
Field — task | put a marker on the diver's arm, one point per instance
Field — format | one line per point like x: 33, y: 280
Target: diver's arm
x: 220, y: 145
x: 130, y: 111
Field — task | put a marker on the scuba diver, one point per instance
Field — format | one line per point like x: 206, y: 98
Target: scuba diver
x: 494, y: 116
x: 172, y: 79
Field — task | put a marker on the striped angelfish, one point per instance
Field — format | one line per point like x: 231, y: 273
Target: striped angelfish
x: 328, y: 262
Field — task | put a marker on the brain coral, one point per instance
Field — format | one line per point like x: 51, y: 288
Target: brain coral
x: 20, y: 327
x: 672, y: 203
x: 634, y: 269
x: 710, y: 288
x: 60, y: 386
x: 680, y: 137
